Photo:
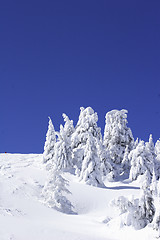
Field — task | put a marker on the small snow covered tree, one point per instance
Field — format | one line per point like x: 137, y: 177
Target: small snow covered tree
x: 150, y: 146
x: 141, y: 160
x: 136, y: 159
x: 55, y: 191
x: 130, y: 212
x: 146, y: 200
x: 157, y: 159
x: 157, y: 148
x: 91, y: 165
x: 122, y: 203
x: 62, y: 159
x: 137, y: 212
x: 50, y: 142
x: 116, y: 137
x: 68, y: 126
x: 150, y: 149
x: 87, y: 124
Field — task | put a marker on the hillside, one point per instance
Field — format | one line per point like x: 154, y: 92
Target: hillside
x: 23, y: 215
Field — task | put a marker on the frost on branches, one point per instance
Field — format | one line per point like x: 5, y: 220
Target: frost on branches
x: 137, y: 212
x: 50, y: 142
x: 62, y: 159
x: 117, y: 136
x: 68, y: 126
x: 157, y: 159
x: 55, y: 191
x: 87, y: 125
x: 142, y: 160
x: 146, y: 199
x: 91, y: 166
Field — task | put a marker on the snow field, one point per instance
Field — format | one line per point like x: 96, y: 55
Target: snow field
x: 23, y: 216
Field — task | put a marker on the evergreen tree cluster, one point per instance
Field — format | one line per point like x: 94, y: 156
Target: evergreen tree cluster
x: 92, y: 157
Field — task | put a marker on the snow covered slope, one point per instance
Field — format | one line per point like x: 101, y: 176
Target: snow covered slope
x: 23, y: 216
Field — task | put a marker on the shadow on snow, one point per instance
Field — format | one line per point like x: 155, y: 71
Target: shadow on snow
x: 122, y: 187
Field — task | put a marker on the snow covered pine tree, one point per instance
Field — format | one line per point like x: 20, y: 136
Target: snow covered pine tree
x: 142, y: 159
x: 50, y: 142
x: 62, y: 159
x: 54, y: 192
x: 91, y: 169
x: 117, y: 136
x: 137, y: 212
x: 157, y: 159
x: 87, y: 124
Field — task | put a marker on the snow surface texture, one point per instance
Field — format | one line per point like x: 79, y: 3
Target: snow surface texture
x: 24, y: 216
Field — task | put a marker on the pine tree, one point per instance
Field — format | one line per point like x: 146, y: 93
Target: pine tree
x: 54, y: 192
x: 62, y: 159
x: 116, y: 137
x: 91, y: 166
x: 87, y: 124
x: 146, y: 200
x: 157, y: 149
x: 138, y: 212
x: 150, y: 149
x: 150, y: 145
x: 50, y: 142
x: 157, y: 159
x: 68, y: 126
x: 141, y: 160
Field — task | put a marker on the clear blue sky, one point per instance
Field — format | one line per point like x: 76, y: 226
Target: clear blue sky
x: 56, y: 56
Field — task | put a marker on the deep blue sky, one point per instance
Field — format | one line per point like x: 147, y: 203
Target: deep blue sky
x: 56, y: 56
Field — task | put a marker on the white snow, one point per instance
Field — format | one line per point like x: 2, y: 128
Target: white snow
x: 23, y: 216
